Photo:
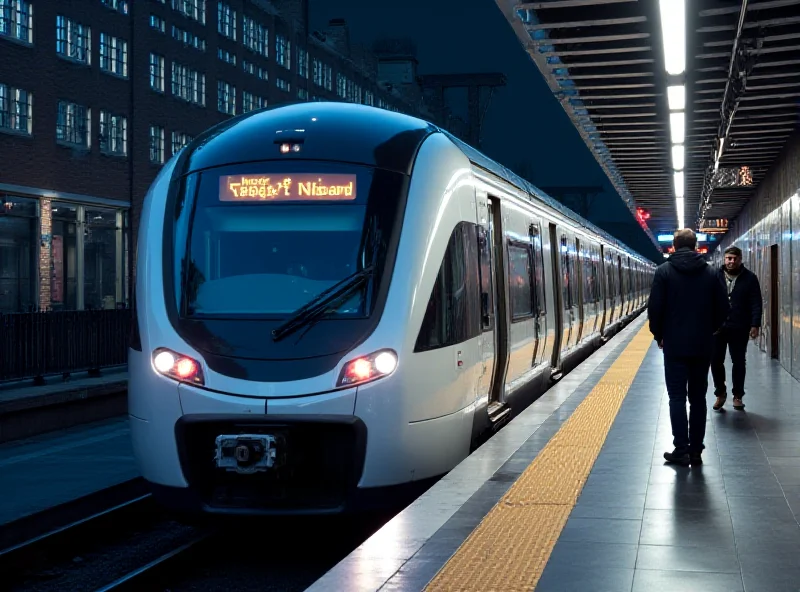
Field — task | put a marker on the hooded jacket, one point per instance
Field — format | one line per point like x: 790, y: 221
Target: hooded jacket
x: 688, y: 304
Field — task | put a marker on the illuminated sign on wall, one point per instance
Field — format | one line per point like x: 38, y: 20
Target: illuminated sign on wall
x: 308, y: 187
x: 714, y: 226
x: 668, y: 238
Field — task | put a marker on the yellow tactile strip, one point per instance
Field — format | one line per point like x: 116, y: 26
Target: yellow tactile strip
x: 509, y: 549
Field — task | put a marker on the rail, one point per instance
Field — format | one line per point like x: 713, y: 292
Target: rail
x: 38, y: 344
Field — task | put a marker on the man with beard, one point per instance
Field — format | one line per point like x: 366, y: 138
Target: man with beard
x: 687, y: 306
x: 744, y: 321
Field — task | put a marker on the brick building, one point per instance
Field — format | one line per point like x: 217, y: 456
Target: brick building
x: 76, y: 158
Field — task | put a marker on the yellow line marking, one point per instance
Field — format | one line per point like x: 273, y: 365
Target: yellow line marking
x: 510, y: 548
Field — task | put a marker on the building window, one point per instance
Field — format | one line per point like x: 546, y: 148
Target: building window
x: 118, y: 5
x: 113, y: 55
x: 103, y: 259
x: 251, y: 102
x: 254, y: 70
x: 356, y: 96
x: 16, y: 20
x: 188, y: 39
x: 19, y: 229
x: 74, y: 125
x: 283, y: 52
x: 226, y: 56
x: 113, y: 134
x: 302, y: 62
x: 302, y: 94
x: 179, y: 140
x: 328, y: 77
x: 255, y: 36
x: 188, y: 85
x: 369, y: 98
x: 63, y: 293
x: 341, y: 85
x: 16, y: 110
x: 316, y: 67
x: 453, y: 312
x: 226, y: 97
x: 283, y: 85
x: 157, y: 72
x: 73, y: 40
x: 157, y: 23
x: 156, y: 144
x: 226, y: 21
x: 193, y: 9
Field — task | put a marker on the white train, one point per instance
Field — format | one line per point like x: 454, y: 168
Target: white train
x: 336, y: 302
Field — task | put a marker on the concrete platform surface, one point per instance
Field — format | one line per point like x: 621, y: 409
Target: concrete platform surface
x: 632, y: 523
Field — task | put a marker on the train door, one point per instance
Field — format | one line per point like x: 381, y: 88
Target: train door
x: 594, y: 288
x: 602, y: 286
x: 580, y: 284
x: 543, y: 344
x: 620, y: 289
x: 493, y: 307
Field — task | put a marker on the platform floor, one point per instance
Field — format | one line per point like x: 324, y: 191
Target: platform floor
x: 42, y: 472
x: 574, y: 494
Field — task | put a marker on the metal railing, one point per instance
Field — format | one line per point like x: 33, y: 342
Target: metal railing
x: 37, y: 344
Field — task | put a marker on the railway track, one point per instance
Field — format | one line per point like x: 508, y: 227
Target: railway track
x: 161, y: 570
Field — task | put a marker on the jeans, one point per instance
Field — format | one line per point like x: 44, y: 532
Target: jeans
x: 735, y: 340
x: 687, y: 376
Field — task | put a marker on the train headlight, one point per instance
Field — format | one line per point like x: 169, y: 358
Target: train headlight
x: 178, y: 367
x: 368, y: 368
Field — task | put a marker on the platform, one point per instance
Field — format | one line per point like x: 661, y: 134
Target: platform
x: 574, y: 494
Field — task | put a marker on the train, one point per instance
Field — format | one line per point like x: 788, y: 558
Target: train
x: 334, y: 303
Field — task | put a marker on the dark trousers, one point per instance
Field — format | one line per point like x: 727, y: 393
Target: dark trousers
x: 687, y: 377
x: 736, y: 341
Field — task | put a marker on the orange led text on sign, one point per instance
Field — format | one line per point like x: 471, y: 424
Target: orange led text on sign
x: 287, y: 187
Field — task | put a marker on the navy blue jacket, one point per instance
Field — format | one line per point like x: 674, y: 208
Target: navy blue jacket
x: 745, y: 300
x: 687, y: 305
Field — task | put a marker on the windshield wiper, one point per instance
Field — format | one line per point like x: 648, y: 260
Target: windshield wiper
x: 321, y: 302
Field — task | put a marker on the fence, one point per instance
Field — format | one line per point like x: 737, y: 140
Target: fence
x: 36, y: 344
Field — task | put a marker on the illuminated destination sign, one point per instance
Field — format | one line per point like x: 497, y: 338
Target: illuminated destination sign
x: 308, y: 187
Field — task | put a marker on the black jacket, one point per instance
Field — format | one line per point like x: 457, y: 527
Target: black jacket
x: 745, y: 300
x: 687, y: 305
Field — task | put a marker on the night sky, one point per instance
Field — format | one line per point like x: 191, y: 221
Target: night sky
x: 525, y: 125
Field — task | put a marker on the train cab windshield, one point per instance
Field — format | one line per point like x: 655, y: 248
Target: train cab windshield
x: 267, y: 242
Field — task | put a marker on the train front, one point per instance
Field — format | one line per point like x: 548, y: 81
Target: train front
x: 265, y: 253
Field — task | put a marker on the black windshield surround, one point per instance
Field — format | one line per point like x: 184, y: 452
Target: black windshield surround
x: 385, y: 143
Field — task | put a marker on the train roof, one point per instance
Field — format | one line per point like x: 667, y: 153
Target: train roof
x: 346, y: 132
x: 496, y: 168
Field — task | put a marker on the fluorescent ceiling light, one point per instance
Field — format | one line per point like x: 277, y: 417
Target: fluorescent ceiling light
x: 677, y: 127
x: 676, y: 96
x: 677, y: 157
x: 679, y: 203
x: 673, y: 35
x: 679, y: 184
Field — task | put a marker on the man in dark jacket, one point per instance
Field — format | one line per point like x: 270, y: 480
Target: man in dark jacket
x: 744, y: 320
x: 687, y: 306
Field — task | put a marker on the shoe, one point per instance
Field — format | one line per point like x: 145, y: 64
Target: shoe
x: 737, y: 403
x: 720, y: 402
x: 696, y: 458
x: 676, y: 457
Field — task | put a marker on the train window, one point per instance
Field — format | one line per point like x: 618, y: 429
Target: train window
x: 519, y: 281
x: 540, y: 303
x: 268, y: 258
x: 453, y: 312
x: 566, y: 274
x: 485, y: 270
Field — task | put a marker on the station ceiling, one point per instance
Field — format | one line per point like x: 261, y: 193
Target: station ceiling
x: 608, y: 65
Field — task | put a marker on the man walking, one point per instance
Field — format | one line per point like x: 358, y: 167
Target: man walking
x: 744, y: 320
x: 687, y: 306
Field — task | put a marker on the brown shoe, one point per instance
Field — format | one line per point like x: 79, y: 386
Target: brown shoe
x: 720, y: 402
x: 737, y: 404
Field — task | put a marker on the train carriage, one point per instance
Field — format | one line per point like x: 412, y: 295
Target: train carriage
x: 334, y: 301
